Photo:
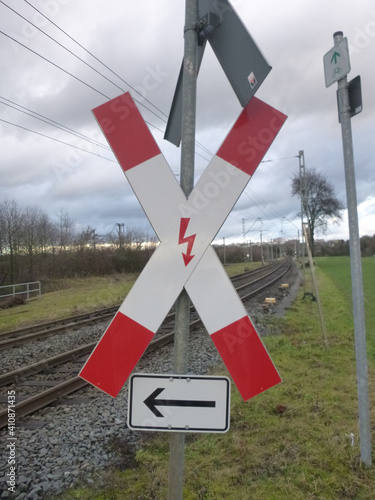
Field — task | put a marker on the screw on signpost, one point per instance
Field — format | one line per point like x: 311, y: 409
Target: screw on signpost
x: 345, y: 114
x: 177, y: 442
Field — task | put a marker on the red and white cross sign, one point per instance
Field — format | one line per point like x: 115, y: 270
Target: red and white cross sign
x: 185, y: 257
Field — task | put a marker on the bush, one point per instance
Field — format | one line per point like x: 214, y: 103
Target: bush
x: 16, y: 300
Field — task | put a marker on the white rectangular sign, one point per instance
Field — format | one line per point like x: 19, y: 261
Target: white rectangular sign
x: 179, y: 403
x: 336, y: 62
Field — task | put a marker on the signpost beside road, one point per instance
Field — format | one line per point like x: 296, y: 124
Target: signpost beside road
x: 178, y: 403
x: 336, y: 66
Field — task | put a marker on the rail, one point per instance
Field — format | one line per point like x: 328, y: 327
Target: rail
x: 34, y: 403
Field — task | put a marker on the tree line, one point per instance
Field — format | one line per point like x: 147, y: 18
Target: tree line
x: 33, y: 246
x: 280, y: 248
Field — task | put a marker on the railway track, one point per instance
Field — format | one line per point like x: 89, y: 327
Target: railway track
x: 247, y: 284
x: 43, y: 330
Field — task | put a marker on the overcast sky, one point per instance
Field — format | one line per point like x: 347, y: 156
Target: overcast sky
x: 142, y: 43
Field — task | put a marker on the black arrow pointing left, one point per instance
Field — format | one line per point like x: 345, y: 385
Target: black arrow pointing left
x: 151, y: 402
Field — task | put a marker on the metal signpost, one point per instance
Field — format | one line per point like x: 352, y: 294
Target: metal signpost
x: 335, y: 71
x: 188, y: 120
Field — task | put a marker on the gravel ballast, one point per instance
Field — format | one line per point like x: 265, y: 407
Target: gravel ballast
x: 78, y: 440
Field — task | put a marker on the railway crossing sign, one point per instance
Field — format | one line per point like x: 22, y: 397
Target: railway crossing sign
x: 336, y: 62
x: 178, y: 403
x: 184, y: 258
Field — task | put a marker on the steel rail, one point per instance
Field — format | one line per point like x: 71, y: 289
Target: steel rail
x: 270, y: 273
x: 37, y: 402
x: 43, y: 330
x: 258, y: 290
x: 57, y: 322
x: 40, y: 366
x: 40, y: 334
x: 256, y: 271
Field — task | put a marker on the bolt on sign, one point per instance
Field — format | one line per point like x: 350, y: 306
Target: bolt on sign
x: 185, y: 257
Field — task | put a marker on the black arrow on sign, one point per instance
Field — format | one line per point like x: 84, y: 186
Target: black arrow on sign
x: 151, y: 402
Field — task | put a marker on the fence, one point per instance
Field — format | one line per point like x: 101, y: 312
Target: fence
x: 34, y: 287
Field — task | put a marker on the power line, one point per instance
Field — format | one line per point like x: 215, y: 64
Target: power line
x: 67, y: 72
x: 44, y: 119
x: 57, y: 140
x: 54, y: 64
x: 97, y: 59
x: 109, y: 69
x: 75, y: 55
x: 79, y: 58
x: 261, y: 204
x: 279, y: 159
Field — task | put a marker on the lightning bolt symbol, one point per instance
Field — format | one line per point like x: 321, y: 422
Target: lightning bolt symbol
x: 186, y: 239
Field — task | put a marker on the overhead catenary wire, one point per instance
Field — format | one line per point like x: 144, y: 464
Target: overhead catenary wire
x: 54, y: 64
x: 58, y: 125
x: 111, y: 70
x: 260, y: 203
x: 44, y: 119
x: 94, y: 69
x: 96, y: 58
x: 76, y: 56
x: 57, y: 140
x: 68, y: 144
x: 165, y: 116
x: 70, y: 74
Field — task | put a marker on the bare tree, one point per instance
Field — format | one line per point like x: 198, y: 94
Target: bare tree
x: 46, y: 235
x: 87, y: 238
x: 320, y: 203
x: 66, y: 229
x: 31, y: 218
x: 12, y: 217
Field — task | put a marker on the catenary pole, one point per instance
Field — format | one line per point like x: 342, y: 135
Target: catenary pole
x: 181, y: 340
x: 356, y: 266
x: 302, y: 186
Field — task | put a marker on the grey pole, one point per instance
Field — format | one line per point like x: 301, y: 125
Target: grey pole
x: 182, y: 306
x: 301, y: 157
x: 356, y: 267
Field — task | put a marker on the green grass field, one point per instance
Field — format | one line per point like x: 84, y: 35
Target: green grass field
x: 66, y: 298
x: 297, y: 441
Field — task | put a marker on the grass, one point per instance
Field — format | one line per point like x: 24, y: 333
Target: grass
x: 68, y: 297
x: 297, y: 441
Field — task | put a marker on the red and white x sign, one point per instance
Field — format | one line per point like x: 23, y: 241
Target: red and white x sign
x: 185, y: 257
